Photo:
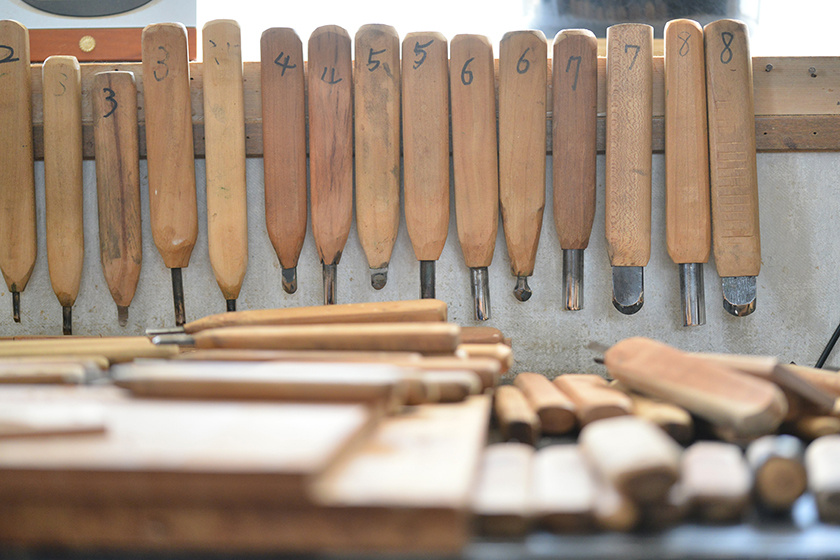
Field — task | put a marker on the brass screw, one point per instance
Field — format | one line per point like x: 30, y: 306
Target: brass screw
x: 87, y: 43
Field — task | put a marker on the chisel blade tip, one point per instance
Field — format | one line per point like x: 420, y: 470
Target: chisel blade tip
x: 178, y: 297
x: 122, y: 315
x: 427, y: 279
x: 522, y: 291
x: 692, y: 294
x: 290, y: 280
x: 16, y: 306
x: 379, y: 277
x: 329, y: 271
x: 573, y: 279
x: 739, y: 295
x: 628, y: 288
x: 66, y: 320
x: 480, y: 292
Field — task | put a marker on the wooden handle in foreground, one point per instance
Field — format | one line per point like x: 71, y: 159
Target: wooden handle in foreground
x: 716, y: 480
x: 284, y: 141
x: 729, y: 86
x: 500, y: 499
x: 574, y: 145
x: 554, y: 408
x: 563, y: 488
x: 118, y: 182
x: 517, y: 420
x: 474, y: 150
x: 745, y: 405
x: 780, y: 477
x: 421, y: 310
x: 330, y: 79
x: 169, y: 142
x: 593, y: 399
x: 430, y: 338
x: 628, y: 151
x: 17, y: 179
x: 63, y: 175
x: 224, y: 141
x: 522, y: 100
x: 688, y: 216
x: 425, y: 116
x: 377, y: 120
x: 115, y: 349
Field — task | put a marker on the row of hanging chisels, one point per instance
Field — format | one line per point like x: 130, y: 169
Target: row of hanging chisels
x: 422, y: 95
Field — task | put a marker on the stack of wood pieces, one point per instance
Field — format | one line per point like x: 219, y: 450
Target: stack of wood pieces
x: 737, y: 426
x: 306, y: 446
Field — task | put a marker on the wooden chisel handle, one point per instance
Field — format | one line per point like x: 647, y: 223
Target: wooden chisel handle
x: 169, y: 142
x: 422, y: 310
x: 430, y: 338
x: 574, y: 143
x: 425, y: 116
x: 284, y: 146
x: 628, y: 149
x: 377, y: 121
x: 17, y: 179
x: 63, y: 178
x: 474, y: 152
x: 729, y: 84
x: 330, y: 78
x: 522, y: 100
x: 224, y: 144
x: 688, y: 217
x: 116, y: 141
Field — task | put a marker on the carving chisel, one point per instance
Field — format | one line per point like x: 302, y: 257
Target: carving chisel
x: 688, y: 216
x: 224, y: 142
x: 574, y: 147
x: 377, y: 119
x: 118, y: 185
x: 425, y: 115
x: 474, y: 152
x: 628, y: 165
x: 729, y: 88
x: 522, y: 98
x: 63, y: 180
x: 284, y: 146
x: 330, y: 80
x: 17, y: 179
x: 169, y: 150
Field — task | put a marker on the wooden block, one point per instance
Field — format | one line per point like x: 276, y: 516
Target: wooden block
x: 379, y: 385
x: 638, y: 458
x: 821, y: 459
x: 554, y: 408
x: 517, y: 420
x: 421, y: 464
x: 716, y: 480
x: 778, y: 472
x: 500, y: 501
x: 592, y: 398
x: 563, y: 491
x: 195, y: 454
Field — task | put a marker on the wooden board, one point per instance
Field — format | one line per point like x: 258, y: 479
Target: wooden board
x: 157, y: 453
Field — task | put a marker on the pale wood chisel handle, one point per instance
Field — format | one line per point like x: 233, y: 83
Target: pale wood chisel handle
x: 628, y: 160
x: 169, y: 150
x: 17, y: 178
x: 63, y: 180
x: 716, y: 480
x: 574, y: 147
x: 224, y: 145
x: 330, y: 78
x: 474, y: 149
x: 522, y: 100
x: 517, y: 420
x: 554, y: 408
x: 778, y: 471
x: 563, y: 489
x: 116, y: 142
x: 729, y: 87
x: 425, y: 116
x: 284, y: 146
x: 377, y: 121
x: 688, y: 214
x: 500, y: 500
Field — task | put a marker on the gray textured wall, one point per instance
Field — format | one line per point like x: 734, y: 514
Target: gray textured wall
x: 798, y: 303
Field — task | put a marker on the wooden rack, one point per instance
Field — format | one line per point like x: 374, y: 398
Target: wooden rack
x: 797, y: 104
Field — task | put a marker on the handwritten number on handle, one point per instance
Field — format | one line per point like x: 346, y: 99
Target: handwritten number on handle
x: 726, y: 53
x: 421, y: 50
x: 577, y: 69
x: 10, y: 56
x: 685, y: 48
x: 373, y: 64
x: 635, y: 54
x: 467, y: 75
x: 162, y: 62
x: 110, y: 97
x: 283, y: 63
x: 523, y: 64
x: 332, y: 80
